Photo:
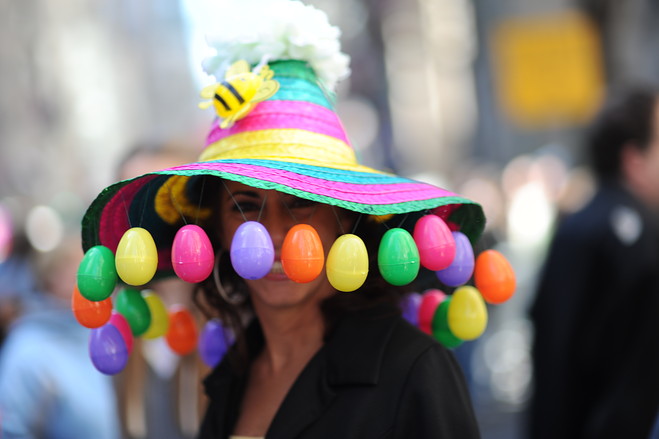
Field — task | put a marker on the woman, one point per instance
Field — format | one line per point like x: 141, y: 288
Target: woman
x: 308, y: 362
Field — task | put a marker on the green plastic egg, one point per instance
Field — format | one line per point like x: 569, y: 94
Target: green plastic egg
x: 130, y: 304
x: 440, y: 328
x: 398, y: 257
x: 97, y: 275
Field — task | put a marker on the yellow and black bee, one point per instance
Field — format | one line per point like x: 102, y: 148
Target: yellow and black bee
x: 241, y: 89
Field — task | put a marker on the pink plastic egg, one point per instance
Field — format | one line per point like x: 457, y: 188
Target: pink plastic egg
x: 192, y: 254
x: 435, y: 242
x: 429, y: 303
x: 120, y: 322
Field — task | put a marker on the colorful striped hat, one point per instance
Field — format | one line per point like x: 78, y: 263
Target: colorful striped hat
x: 276, y: 129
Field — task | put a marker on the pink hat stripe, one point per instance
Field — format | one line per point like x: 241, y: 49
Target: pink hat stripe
x: 284, y: 114
x: 357, y: 193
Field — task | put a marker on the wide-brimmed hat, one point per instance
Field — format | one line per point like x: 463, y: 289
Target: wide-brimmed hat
x: 276, y: 128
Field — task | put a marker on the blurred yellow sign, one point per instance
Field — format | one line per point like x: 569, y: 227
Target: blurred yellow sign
x: 548, y: 69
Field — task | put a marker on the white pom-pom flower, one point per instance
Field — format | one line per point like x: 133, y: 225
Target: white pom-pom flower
x: 267, y: 30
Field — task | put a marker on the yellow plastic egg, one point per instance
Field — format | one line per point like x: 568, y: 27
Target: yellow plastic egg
x: 467, y: 314
x: 159, y: 315
x: 136, y: 257
x: 347, y: 263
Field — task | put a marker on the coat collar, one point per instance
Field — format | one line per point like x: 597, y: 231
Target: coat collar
x: 352, y: 355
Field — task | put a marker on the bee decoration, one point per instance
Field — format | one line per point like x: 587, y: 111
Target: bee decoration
x: 240, y: 91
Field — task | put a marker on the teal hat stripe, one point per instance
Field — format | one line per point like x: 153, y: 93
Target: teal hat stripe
x: 339, y: 175
x: 293, y: 89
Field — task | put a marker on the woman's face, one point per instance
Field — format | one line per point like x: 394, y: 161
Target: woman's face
x: 279, y: 212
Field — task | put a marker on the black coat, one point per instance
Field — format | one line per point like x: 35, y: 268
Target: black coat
x: 596, y: 317
x: 375, y: 377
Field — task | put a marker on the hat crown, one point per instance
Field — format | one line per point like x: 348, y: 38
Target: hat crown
x: 297, y: 124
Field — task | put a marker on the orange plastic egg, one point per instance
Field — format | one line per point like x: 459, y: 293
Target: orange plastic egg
x: 494, y: 277
x: 89, y: 313
x: 182, y: 333
x: 302, y: 255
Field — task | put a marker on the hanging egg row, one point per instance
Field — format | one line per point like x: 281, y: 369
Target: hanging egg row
x: 142, y: 313
x: 400, y: 255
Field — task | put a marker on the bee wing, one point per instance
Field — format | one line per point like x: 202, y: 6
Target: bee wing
x: 208, y: 92
x: 236, y: 68
x: 266, y: 90
x: 266, y: 73
x: 204, y: 105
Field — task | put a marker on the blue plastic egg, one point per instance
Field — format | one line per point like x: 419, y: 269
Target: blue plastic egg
x: 462, y: 267
x: 214, y: 342
x: 107, y: 349
x: 252, y: 252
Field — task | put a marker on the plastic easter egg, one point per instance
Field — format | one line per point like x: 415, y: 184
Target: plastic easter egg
x: 214, y: 342
x: 440, y: 329
x: 136, y: 258
x: 462, y: 267
x: 429, y: 303
x: 252, y: 252
x: 398, y: 257
x: 120, y: 322
x: 89, y: 313
x: 159, y: 315
x: 467, y: 315
x: 410, y: 306
x: 182, y: 334
x: 192, y: 254
x: 347, y: 263
x: 302, y: 254
x: 97, y: 275
x: 435, y: 242
x: 494, y: 277
x: 130, y: 303
x: 107, y: 350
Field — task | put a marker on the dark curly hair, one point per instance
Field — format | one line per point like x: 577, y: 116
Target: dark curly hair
x: 627, y: 118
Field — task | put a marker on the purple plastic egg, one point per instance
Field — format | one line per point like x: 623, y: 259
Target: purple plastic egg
x: 435, y: 242
x: 252, y: 252
x: 410, y: 305
x: 462, y: 267
x: 214, y: 342
x: 192, y: 254
x: 107, y: 349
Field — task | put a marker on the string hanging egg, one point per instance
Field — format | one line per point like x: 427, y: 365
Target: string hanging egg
x: 429, y: 303
x: 462, y: 267
x: 90, y: 313
x: 252, y: 251
x: 97, y: 275
x: 131, y: 304
x: 440, y: 327
x: 192, y: 254
x: 136, y: 259
x: 467, y: 315
x: 435, y: 242
x: 398, y: 257
x: 494, y: 277
x: 347, y: 263
x: 302, y: 255
x: 181, y: 336
x: 107, y: 349
x: 120, y: 322
x: 159, y: 315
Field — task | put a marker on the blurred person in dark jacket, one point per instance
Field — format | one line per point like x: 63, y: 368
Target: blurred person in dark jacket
x: 596, y: 313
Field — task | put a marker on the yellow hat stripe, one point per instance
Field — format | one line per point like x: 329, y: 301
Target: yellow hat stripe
x: 292, y: 145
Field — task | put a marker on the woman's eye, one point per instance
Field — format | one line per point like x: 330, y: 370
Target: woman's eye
x: 301, y: 203
x: 246, y: 206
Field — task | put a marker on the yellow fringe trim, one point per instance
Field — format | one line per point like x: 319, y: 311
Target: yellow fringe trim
x: 172, y: 205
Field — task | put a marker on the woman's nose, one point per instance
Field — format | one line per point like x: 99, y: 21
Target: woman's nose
x: 278, y: 222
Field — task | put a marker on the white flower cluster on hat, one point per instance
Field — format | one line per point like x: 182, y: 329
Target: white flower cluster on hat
x: 266, y: 30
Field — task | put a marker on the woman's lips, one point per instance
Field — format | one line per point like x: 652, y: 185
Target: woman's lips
x: 276, y: 272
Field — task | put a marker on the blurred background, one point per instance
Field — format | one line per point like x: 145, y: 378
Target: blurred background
x: 486, y: 98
